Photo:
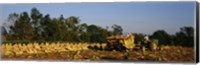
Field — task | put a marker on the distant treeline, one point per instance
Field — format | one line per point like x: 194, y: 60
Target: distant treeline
x: 38, y: 27
x: 184, y: 37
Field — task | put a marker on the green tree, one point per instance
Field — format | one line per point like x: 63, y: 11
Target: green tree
x: 97, y: 33
x: 117, y: 29
x: 72, y: 28
x: 103, y: 34
x: 185, y: 36
x: 46, y: 26
x: 162, y: 36
x: 22, y: 29
x: 138, y: 37
x: 84, y: 37
x: 63, y: 28
x: 37, y: 27
x: 13, y: 17
x: 93, y: 30
x: 36, y: 18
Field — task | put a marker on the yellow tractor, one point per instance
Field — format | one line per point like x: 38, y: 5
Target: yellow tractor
x: 120, y: 42
x: 123, y: 43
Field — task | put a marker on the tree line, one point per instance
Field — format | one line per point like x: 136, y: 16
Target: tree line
x: 185, y: 37
x: 38, y: 27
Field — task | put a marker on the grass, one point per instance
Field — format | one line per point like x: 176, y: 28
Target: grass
x: 69, y: 51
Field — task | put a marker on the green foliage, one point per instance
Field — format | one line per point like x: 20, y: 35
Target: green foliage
x: 22, y: 29
x: 138, y: 37
x: 97, y: 33
x: 162, y: 36
x: 185, y: 36
x: 117, y: 30
x: 44, y: 28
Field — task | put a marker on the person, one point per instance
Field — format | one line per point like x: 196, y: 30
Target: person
x: 145, y: 42
x: 146, y: 38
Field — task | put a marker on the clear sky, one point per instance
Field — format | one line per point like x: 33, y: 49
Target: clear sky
x: 136, y: 17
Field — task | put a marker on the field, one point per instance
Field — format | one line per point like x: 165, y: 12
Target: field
x: 81, y: 52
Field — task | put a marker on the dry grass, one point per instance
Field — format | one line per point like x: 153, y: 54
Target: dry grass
x: 69, y: 51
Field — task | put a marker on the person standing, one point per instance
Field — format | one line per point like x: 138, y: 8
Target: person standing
x: 145, y: 42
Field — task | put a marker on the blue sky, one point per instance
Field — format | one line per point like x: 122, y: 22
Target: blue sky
x: 136, y: 17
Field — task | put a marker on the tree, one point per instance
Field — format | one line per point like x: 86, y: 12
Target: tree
x: 82, y: 30
x: 103, y: 34
x: 63, y: 28
x: 117, y: 29
x: 72, y: 22
x: 138, y: 37
x: 162, y: 36
x: 46, y: 26
x: 36, y: 18
x: 13, y: 17
x: 93, y: 30
x: 72, y: 28
x: 22, y: 29
x: 185, y: 36
x: 37, y: 27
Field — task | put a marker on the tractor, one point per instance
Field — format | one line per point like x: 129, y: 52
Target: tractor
x: 120, y: 42
x: 123, y: 43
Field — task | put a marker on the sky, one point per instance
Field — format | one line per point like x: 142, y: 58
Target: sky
x: 134, y: 17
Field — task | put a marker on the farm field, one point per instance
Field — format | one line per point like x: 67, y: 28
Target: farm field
x: 81, y: 52
x: 99, y: 32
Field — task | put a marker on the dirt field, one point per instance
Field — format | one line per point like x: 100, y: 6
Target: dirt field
x: 167, y: 54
